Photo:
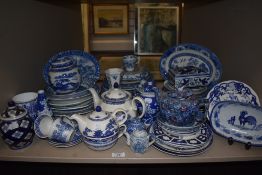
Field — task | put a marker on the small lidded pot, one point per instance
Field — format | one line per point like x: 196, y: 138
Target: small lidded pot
x: 64, y: 75
x: 16, y: 127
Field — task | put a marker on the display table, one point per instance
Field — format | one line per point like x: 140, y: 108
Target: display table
x: 41, y: 151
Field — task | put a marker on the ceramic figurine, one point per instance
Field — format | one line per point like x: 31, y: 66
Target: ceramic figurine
x: 42, y: 106
x: 100, y: 129
x: 28, y: 100
x: 139, y: 141
x: 64, y: 75
x: 150, y: 95
x: 60, y: 129
x: 130, y: 62
x: 16, y: 127
x: 116, y: 98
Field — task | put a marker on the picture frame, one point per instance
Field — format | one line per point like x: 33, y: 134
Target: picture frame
x: 158, y: 29
x: 110, y: 19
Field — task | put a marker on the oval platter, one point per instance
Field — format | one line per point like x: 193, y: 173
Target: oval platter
x: 194, y: 65
x: 240, y: 121
x: 88, y: 66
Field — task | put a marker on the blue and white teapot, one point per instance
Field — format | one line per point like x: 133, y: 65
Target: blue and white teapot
x: 100, y: 129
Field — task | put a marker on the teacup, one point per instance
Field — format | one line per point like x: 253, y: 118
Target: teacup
x: 28, y: 100
x: 130, y: 62
x: 113, y: 76
x: 60, y: 129
x: 139, y: 141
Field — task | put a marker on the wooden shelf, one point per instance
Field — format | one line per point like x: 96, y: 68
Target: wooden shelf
x: 41, y: 151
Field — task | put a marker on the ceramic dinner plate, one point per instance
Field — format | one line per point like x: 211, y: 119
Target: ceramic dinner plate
x: 189, y: 141
x: 231, y: 90
x: 194, y: 65
x: 87, y: 64
x: 240, y: 121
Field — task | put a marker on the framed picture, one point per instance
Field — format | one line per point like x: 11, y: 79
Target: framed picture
x: 157, y: 29
x: 110, y: 19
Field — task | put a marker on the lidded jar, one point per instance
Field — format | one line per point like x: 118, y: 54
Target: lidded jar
x: 16, y: 127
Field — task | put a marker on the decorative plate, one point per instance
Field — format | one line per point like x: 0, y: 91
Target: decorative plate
x: 88, y: 66
x: 194, y: 65
x: 241, y: 121
x: 231, y: 90
x: 181, y: 153
x: 190, y: 141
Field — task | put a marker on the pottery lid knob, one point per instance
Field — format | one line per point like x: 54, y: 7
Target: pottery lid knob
x: 11, y: 104
x: 98, y: 109
x: 116, y: 85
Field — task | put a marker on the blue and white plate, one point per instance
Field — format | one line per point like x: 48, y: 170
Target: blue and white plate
x: 195, y: 66
x: 240, y: 121
x: 231, y: 90
x: 77, y: 138
x: 87, y: 64
x: 182, y: 153
x: 193, y: 141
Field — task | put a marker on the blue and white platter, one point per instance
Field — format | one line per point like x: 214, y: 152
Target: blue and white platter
x: 240, y: 121
x: 87, y: 64
x: 231, y: 90
x: 194, y: 66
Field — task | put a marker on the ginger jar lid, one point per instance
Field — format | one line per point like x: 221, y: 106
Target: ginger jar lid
x: 13, y: 113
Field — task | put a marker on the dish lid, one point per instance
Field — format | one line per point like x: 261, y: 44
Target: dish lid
x: 13, y: 112
x: 99, y: 115
x: 116, y: 94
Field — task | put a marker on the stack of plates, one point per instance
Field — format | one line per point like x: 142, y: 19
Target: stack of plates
x: 181, y: 140
x: 77, y: 102
x: 130, y: 81
x: 182, y: 145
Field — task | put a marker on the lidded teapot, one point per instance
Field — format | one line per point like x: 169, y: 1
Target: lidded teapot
x: 116, y: 98
x: 100, y: 128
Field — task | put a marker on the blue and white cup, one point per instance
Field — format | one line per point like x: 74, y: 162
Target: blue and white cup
x: 113, y: 76
x: 27, y: 100
x: 130, y: 62
x: 139, y: 141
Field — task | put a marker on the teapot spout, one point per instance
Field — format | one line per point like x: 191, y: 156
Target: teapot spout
x: 81, y: 121
x: 96, y: 98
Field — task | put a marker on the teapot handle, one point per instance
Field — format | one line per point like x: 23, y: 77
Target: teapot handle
x: 122, y: 131
x: 153, y: 139
x: 120, y: 122
x: 143, y: 105
x: 127, y: 138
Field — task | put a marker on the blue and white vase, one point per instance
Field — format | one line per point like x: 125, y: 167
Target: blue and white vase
x: 42, y: 106
x: 150, y: 95
x: 16, y: 128
x: 64, y: 75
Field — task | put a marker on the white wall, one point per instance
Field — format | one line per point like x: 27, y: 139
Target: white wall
x: 233, y: 30
x: 31, y: 32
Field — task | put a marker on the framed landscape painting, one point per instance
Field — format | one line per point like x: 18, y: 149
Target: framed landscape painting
x: 110, y: 19
x: 157, y: 29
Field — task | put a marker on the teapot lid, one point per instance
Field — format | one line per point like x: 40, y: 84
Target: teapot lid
x: 115, y: 94
x: 13, y: 113
x: 99, y: 115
